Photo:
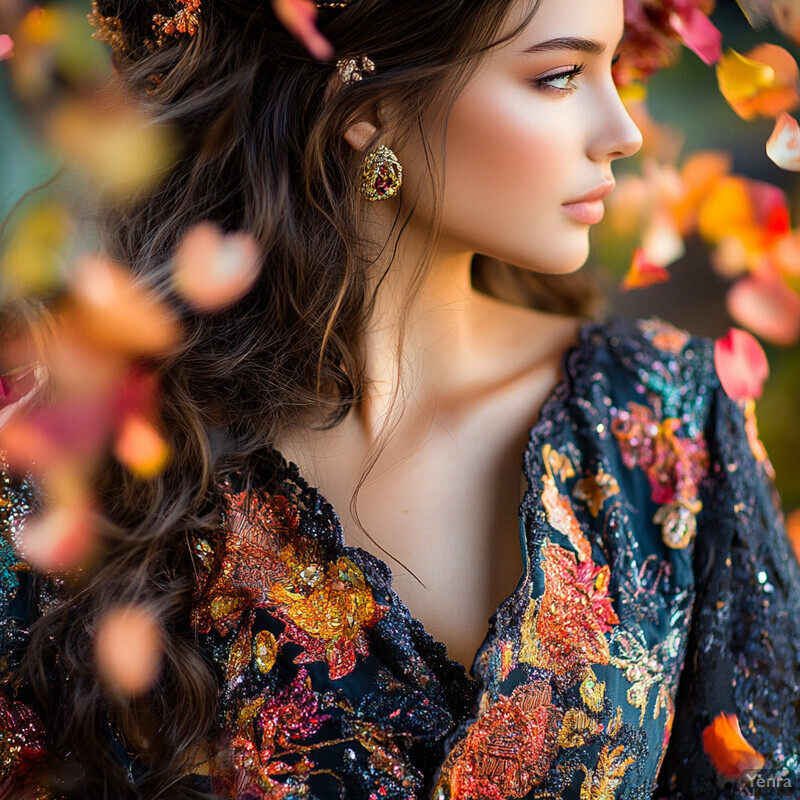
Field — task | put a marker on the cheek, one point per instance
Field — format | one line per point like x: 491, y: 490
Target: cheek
x: 508, y: 156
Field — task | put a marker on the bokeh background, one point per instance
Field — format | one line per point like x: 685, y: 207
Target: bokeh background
x: 685, y: 97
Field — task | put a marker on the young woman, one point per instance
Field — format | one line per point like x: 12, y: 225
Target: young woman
x: 592, y: 560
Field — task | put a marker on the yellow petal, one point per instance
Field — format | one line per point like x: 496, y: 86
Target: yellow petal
x: 740, y: 78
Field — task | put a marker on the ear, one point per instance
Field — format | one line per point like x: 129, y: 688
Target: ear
x: 359, y: 133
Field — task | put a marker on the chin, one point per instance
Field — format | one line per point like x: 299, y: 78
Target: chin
x: 555, y: 262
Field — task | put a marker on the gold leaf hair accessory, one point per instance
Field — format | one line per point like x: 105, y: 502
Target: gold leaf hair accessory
x: 111, y: 30
x: 350, y: 69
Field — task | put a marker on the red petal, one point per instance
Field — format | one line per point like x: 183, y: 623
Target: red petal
x: 741, y: 364
x: 643, y: 273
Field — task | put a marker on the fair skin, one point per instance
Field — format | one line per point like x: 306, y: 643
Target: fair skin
x: 443, y: 497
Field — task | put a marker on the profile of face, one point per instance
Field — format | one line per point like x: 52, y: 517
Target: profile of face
x: 538, y: 126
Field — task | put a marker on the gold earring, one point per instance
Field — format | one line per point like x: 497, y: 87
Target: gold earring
x: 381, y: 174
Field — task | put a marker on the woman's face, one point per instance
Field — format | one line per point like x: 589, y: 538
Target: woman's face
x: 530, y: 133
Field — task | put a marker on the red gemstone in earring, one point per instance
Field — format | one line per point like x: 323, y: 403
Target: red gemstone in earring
x: 383, y: 181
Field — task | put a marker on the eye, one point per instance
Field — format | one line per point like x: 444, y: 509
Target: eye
x: 548, y: 82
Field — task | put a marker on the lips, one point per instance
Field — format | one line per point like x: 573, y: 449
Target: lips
x: 596, y: 194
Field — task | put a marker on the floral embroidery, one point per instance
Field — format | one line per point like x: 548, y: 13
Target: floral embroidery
x: 565, y: 628
x: 508, y: 750
x: 280, y: 725
x: 560, y: 513
x: 595, y: 489
x: 674, y: 466
x: 326, y: 609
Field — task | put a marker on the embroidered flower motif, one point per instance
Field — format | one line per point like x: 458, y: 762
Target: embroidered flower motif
x: 560, y: 513
x: 325, y: 607
x: 595, y: 489
x: 327, y: 610
x: 674, y: 466
x: 564, y: 629
x: 508, y: 750
x: 282, y: 723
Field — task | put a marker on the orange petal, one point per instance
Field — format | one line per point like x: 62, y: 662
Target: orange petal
x: 642, y: 273
x: 762, y: 83
x: 726, y: 211
x: 699, y: 174
x: 128, y: 649
x: 741, y: 364
x: 783, y: 146
x: 140, y: 447
x: 786, y: 255
x: 728, y: 750
x: 768, y: 307
x: 212, y: 270
x: 114, y: 313
x: 793, y: 530
x: 299, y: 18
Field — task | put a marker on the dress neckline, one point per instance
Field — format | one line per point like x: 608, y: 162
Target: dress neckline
x: 571, y: 357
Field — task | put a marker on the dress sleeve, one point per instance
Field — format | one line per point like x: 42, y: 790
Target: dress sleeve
x: 743, y: 654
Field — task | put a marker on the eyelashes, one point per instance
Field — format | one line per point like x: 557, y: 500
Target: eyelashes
x: 546, y: 83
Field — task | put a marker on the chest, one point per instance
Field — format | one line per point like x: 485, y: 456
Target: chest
x: 440, y: 506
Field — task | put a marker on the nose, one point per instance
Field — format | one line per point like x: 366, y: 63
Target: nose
x: 616, y: 135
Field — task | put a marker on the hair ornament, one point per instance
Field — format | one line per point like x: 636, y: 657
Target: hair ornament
x: 185, y: 20
x: 112, y: 31
x: 350, y: 69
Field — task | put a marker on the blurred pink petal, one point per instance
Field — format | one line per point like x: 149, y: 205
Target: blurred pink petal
x: 299, y: 18
x: 768, y: 307
x: 741, y: 364
x: 783, y: 146
x: 698, y: 33
x: 6, y: 46
x: 51, y: 433
x: 213, y: 270
x: 59, y: 540
x: 128, y: 649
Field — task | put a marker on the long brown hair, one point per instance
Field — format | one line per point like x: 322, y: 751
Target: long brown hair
x: 262, y: 152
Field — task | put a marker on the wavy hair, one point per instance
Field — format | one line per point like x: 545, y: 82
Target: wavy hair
x: 261, y: 151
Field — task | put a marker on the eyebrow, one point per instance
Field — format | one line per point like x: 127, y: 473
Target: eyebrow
x: 578, y: 43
